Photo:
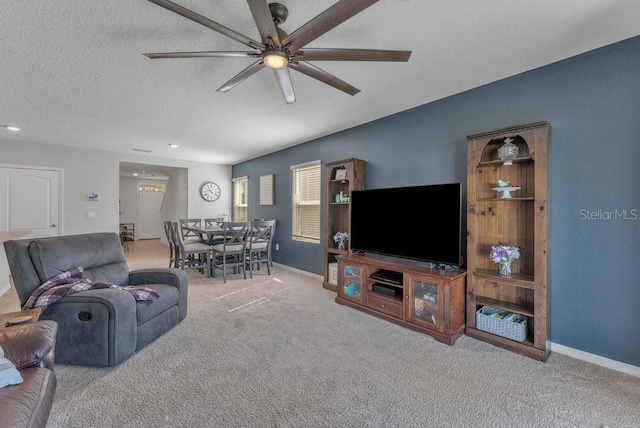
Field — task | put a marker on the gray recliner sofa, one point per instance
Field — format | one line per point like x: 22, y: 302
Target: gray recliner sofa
x: 98, y: 327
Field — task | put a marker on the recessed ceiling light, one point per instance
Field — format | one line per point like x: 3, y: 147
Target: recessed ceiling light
x: 135, y: 174
x: 11, y: 128
x: 174, y: 146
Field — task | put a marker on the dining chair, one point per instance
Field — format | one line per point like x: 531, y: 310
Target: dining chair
x: 173, y: 260
x: 273, y: 234
x: 212, y: 223
x: 258, y: 244
x: 192, y: 254
x: 231, y: 252
x: 190, y: 235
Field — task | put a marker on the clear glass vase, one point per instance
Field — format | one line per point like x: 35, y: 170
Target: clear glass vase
x: 341, y: 245
x: 505, y: 269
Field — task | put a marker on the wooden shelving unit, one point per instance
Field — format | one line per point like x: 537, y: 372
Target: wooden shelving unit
x: 522, y: 221
x: 128, y: 231
x: 341, y: 177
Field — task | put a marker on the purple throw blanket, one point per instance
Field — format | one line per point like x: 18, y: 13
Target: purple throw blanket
x: 73, y: 281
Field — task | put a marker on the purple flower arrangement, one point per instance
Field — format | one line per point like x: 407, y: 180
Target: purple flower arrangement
x: 504, y: 254
x: 340, y: 238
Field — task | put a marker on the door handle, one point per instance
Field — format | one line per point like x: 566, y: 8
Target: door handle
x: 54, y: 225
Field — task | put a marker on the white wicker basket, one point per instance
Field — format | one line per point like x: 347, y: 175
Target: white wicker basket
x: 514, y: 328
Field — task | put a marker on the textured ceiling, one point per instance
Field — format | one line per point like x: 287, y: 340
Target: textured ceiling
x: 73, y: 73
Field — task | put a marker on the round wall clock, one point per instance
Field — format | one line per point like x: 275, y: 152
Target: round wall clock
x: 210, y: 191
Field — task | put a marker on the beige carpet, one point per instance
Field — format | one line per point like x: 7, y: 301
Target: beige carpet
x: 277, y: 351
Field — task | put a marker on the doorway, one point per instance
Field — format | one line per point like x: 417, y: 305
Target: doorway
x: 142, y: 210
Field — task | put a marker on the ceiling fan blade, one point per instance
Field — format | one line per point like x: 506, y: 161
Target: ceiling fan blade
x: 284, y: 80
x: 264, y: 21
x: 323, y: 76
x: 313, y: 54
x: 240, y: 77
x: 208, y: 23
x: 205, y: 54
x: 330, y: 18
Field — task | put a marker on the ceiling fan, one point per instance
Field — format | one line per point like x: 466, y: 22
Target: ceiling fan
x: 281, y: 51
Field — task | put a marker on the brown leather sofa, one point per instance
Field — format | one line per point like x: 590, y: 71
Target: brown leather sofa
x: 31, y: 348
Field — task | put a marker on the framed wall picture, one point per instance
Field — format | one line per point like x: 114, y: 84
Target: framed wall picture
x: 266, y: 189
x: 341, y: 174
x: 93, y: 196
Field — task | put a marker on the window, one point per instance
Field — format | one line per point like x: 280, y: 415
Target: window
x: 240, y: 196
x: 144, y: 187
x: 305, y: 201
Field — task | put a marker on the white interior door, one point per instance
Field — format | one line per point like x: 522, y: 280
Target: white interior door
x: 150, y: 224
x: 30, y: 201
x: 29, y: 207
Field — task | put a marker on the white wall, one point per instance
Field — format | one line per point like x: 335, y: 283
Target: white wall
x: 175, y: 203
x: 128, y: 201
x: 98, y: 171
x: 198, y: 207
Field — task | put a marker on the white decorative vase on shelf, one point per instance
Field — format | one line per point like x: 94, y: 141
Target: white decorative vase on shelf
x: 508, y: 151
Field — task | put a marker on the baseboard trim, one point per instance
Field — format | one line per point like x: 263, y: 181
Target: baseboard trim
x: 595, y: 359
x: 554, y: 347
x: 302, y: 272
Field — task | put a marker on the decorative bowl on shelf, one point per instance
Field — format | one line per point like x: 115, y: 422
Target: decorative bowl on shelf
x: 506, y: 191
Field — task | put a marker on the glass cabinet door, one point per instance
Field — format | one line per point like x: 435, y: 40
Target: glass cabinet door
x: 351, y: 282
x: 423, y: 304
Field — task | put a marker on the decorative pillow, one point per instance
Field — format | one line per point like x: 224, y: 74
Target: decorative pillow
x: 9, y: 375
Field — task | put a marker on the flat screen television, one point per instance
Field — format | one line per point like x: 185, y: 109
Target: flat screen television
x: 419, y: 223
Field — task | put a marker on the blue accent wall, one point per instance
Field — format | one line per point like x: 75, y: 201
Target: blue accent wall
x: 592, y: 102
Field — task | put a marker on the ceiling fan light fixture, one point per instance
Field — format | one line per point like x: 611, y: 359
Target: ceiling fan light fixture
x: 275, y: 59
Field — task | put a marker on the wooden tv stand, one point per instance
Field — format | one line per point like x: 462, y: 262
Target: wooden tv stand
x: 431, y: 301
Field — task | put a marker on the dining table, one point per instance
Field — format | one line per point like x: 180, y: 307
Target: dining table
x: 209, y: 235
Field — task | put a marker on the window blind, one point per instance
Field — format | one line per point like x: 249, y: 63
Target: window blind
x: 305, y: 197
x: 240, y: 199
